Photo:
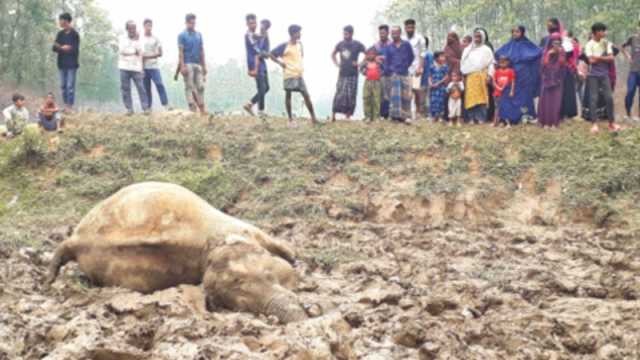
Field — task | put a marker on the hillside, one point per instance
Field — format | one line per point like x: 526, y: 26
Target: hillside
x: 424, y: 241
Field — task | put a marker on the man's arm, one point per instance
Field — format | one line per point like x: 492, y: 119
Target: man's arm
x: 74, y: 46
x: 6, y: 113
x: 334, y: 57
x: 412, y: 55
x: 56, y: 44
x: 422, y: 54
x: 203, y: 61
x: 623, y: 49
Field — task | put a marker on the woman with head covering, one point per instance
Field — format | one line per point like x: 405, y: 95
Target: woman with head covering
x: 491, y: 109
x: 477, y: 66
x: 453, y: 52
x: 525, y: 58
x: 570, y: 47
x: 554, y: 70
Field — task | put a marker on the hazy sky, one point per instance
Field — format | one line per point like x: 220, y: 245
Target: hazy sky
x: 223, y: 27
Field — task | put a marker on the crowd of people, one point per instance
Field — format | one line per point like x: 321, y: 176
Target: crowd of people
x: 469, y: 81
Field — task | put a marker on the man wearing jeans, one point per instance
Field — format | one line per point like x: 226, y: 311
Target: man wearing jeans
x: 193, y: 65
x: 151, y: 52
x: 257, y: 47
x: 67, y: 46
x: 131, y: 68
x: 634, y: 71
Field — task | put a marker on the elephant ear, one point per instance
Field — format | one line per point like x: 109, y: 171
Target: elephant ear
x: 276, y: 247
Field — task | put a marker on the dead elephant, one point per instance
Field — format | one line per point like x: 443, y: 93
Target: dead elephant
x: 154, y: 236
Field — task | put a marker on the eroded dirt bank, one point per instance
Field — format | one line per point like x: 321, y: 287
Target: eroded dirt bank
x: 416, y: 243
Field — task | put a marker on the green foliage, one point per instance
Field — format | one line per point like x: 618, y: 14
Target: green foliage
x: 268, y: 174
x: 28, y: 149
x: 437, y: 17
x: 27, y: 31
x: 228, y: 88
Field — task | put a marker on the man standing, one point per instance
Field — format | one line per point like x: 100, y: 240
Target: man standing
x: 290, y: 56
x: 400, y: 57
x: 382, y: 46
x: 345, y: 99
x: 193, y: 65
x: 600, y: 53
x: 257, y: 48
x: 67, y: 46
x: 417, y: 67
x: 634, y: 71
x: 131, y: 68
x: 151, y: 52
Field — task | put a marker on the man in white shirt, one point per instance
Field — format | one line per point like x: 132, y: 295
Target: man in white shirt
x: 151, y: 52
x: 419, y: 46
x: 130, y: 64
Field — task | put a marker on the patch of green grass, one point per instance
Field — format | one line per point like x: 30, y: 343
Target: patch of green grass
x: 270, y: 173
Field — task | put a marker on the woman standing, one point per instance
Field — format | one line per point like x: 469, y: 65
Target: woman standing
x: 569, y: 101
x: 525, y: 58
x: 453, y: 52
x: 477, y: 66
x: 554, y: 70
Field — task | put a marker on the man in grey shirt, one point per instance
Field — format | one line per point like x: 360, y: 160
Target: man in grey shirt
x: 634, y: 71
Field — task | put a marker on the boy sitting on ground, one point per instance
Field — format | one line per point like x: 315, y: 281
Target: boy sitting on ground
x: 16, y: 116
x: 49, y: 115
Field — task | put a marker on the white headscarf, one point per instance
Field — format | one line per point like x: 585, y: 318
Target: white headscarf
x: 477, y: 57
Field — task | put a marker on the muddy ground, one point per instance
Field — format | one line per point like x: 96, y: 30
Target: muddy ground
x: 504, y: 274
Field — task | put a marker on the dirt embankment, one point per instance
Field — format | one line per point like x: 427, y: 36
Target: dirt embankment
x: 416, y: 243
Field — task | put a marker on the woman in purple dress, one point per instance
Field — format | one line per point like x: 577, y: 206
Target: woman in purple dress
x: 554, y: 70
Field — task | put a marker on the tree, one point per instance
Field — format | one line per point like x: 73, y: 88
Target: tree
x: 27, y: 32
x: 437, y: 17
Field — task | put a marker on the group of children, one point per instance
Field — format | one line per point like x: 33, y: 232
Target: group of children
x: 446, y: 91
x: 17, y: 118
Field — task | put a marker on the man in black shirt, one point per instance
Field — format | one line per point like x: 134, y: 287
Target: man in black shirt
x: 67, y: 45
x: 349, y: 51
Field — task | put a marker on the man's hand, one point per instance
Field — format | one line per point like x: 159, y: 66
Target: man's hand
x: 65, y: 48
x: 253, y: 73
x: 204, y: 72
x: 184, y: 70
x: 420, y: 71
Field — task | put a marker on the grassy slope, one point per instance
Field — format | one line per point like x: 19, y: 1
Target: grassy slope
x: 269, y: 173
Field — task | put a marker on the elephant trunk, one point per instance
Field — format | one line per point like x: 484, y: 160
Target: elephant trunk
x: 285, y: 306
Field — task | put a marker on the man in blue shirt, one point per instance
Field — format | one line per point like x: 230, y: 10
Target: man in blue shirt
x: 193, y: 65
x: 399, y: 58
x: 257, y: 47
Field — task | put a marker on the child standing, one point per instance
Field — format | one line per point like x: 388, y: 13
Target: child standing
x: 504, y: 79
x: 49, y: 115
x: 372, y: 70
x: 455, y: 90
x: 439, y: 76
x: 16, y: 116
